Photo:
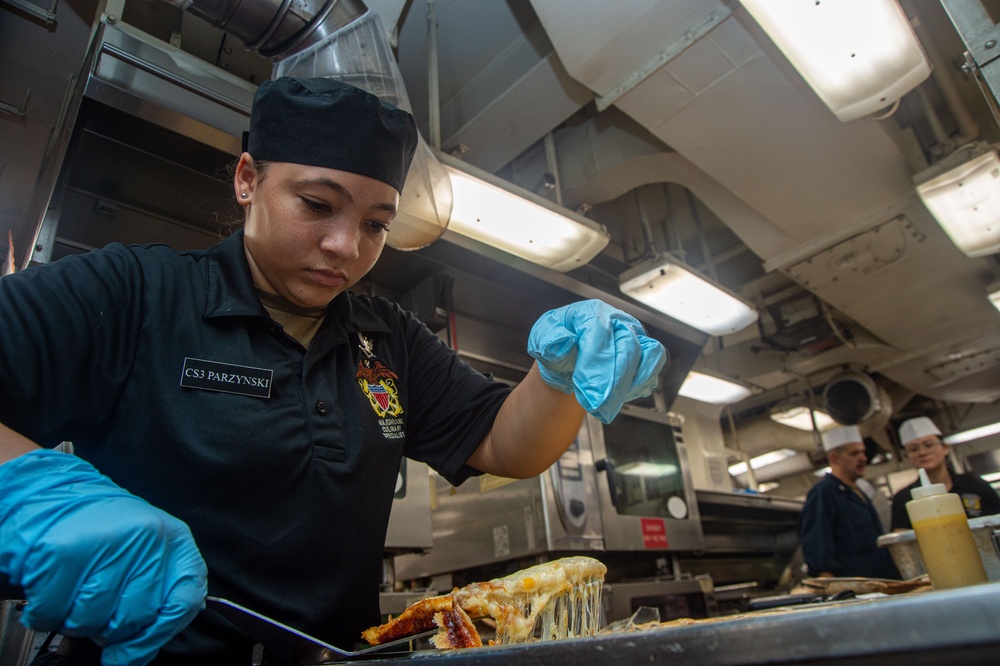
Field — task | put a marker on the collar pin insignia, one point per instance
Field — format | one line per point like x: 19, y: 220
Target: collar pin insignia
x: 365, y: 345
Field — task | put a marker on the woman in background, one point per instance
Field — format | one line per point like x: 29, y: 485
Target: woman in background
x: 925, y: 450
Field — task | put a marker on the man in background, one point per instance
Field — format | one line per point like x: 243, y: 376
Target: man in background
x: 839, y: 525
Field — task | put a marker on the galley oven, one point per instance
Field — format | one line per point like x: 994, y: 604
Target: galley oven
x: 643, y: 483
x: 623, y: 486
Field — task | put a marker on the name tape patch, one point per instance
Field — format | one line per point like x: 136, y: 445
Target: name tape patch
x: 226, y: 378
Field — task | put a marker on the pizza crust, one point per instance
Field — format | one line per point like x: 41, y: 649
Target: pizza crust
x: 868, y: 585
x: 416, y: 619
x: 456, y: 630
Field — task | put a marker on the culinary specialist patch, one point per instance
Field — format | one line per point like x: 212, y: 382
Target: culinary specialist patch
x: 378, y: 383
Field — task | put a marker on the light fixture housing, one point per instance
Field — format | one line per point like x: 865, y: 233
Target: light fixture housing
x: 993, y: 293
x: 713, y: 390
x: 973, y: 434
x: 962, y: 192
x: 497, y: 213
x: 665, y: 284
x: 798, y: 417
x: 763, y: 460
x: 859, y: 56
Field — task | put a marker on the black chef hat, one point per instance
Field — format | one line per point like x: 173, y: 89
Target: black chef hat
x: 328, y: 123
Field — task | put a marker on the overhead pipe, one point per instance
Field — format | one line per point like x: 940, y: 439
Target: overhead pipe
x: 276, y: 28
x: 433, y: 79
x: 552, y: 162
x: 968, y: 129
x: 751, y: 475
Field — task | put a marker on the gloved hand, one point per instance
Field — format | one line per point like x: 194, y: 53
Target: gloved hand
x: 598, y: 353
x: 95, y: 560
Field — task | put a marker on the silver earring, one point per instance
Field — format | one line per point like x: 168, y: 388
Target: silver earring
x: 243, y: 195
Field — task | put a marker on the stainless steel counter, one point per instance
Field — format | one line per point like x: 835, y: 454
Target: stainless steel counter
x: 930, y: 628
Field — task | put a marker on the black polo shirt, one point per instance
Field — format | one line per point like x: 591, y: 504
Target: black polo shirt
x: 978, y: 499
x: 166, y: 373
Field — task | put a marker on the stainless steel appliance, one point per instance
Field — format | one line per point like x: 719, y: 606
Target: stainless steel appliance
x: 410, y: 521
x: 644, y: 485
x: 751, y: 546
x: 489, y: 520
x: 673, y: 599
x: 623, y: 487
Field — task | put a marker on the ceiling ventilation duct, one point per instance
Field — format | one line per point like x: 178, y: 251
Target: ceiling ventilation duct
x: 276, y: 29
x: 852, y: 397
x: 343, y: 40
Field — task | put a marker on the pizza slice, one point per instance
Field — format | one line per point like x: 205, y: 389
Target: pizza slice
x: 557, y: 599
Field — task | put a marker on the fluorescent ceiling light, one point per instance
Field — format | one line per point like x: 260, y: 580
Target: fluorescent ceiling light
x: 963, y: 195
x: 762, y: 460
x: 991, y: 477
x: 798, y: 417
x: 823, y: 472
x: 678, y: 291
x: 706, y: 388
x: 859, y: 56
x: 975, y: 433
x: 492, y: 211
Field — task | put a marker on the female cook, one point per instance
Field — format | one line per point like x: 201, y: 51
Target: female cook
x: 921, y: 440
x: 239, y: 416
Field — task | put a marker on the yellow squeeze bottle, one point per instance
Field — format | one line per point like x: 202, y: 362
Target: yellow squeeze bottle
x: 944, y: 537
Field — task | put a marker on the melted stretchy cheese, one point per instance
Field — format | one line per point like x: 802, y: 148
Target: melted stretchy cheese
x: 558, y: 599
x: 563, y: 597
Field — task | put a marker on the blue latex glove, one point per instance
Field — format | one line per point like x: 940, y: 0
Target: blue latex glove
x: 598, y: 353
x: 95, y: 560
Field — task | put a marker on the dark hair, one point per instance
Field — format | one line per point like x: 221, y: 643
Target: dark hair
x: 231, y: 223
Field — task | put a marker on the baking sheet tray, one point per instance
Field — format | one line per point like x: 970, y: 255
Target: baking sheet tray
x: 919, y: 629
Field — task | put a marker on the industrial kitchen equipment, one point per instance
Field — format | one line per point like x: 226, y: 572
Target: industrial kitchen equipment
x: 623, y: 488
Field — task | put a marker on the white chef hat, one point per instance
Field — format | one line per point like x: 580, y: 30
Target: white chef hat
x: 838, y: 437
x: 917, y: 428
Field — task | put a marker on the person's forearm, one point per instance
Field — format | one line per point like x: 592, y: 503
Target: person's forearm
x: 534, y: 427
x: 13, y: 444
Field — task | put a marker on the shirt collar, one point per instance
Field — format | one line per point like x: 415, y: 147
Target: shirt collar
x: 356, y: 314
x: 229, y: 284
x: 230, y: 291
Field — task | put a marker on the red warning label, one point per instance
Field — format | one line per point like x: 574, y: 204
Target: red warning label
x: 654, y: 533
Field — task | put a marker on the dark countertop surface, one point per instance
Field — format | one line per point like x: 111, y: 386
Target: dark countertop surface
x: 927, y: 628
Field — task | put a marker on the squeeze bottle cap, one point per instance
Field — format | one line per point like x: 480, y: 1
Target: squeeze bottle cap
x: 926, y: 488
